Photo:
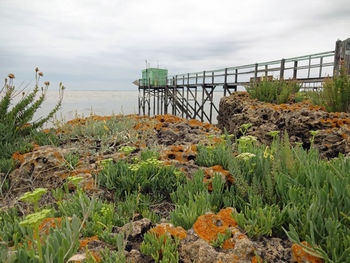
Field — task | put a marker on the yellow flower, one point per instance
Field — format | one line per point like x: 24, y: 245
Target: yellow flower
x: 105, y: 127
x: 266, y: 152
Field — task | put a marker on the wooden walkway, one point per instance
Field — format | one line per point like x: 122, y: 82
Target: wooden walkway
x: 191, y: 95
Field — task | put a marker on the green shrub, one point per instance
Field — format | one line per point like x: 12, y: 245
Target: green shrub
x: 61, y: 243
x: 72, y: 160
x: 148, y: 177
x: 193, y: 199
x: 185, y: 215
x: 162, y: 248
x: 17, y: 118
x: 16, y: 123
x: 45, y: 138
x: 273, y: 91
x: 219, y: 154
x: 261, y: 221
x: 221, y: 238
x: 10, y: 231
x: 335, y: 95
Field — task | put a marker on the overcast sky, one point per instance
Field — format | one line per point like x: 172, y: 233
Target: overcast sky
x: 103, y: 45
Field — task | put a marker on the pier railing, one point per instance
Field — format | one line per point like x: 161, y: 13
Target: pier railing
x: 190, y: 95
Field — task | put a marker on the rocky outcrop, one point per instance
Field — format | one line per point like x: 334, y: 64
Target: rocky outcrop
x: 295, y: 119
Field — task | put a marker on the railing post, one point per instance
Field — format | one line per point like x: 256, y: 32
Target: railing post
x: 295, y: 69
x: 256, y: 72
x: 321, y: 63
x: 166, y: 96
x: 283, y: 62
x: 337, y: 57
x: 149, y: 97
x: 225, y: 82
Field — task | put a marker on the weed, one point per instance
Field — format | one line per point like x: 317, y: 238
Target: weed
x: 162, y: 248
x: 71, y: 160
x: 148, y: 176
x: 221, y: 239
x: 273, y: 91
x: 335, y: 95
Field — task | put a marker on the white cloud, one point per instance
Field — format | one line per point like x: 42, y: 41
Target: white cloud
x: 84, y: 43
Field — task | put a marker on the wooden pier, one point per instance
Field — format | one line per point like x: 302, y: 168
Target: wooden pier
x: 191, y: 95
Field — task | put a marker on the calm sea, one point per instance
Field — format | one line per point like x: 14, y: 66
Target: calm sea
x: 84, y: 103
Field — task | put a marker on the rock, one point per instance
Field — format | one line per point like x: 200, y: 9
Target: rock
x: 135, y: 230
x: 40, y: 168
x: 195, y: 249
x: 274, y: 249
x: 136, y: 256
x: 295, y: 119
x: 196, y: 246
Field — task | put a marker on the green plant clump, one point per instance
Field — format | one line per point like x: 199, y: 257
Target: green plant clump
x: 335, y: 95
x: 162, y: 248
x: 273, y: 91
x: 283, y: 191
x: 17, y: 129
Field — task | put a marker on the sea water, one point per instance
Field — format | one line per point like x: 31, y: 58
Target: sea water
x: 84, y: 103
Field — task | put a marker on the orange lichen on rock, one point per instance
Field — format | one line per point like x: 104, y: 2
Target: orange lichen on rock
x: 179, y: 153
x: 168, y: 118
x: 208, y: 226
x: 257, y: 259
x: 17, y: 156
x: 301, y: 255
x: 50, y: 222
x: 84, y: 242
x: 228, y: 244
x: 165, y: 228
x: 141, y: 126
x: 210, y: 172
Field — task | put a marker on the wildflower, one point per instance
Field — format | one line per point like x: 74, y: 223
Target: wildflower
x: 41, y: 74
x: 106, y: 162
x: 248, y: 138
x: 266, y: 152
x: 105, y: 127
x: 246, y: 126
x: 36, y: 69
x: 11, y: 76
x: 47, y: 83
x: 34, y: 196
x: 75, y: 179
x: 314, y: 133
x: 33, y: 220
x: 273, y: 133
x: 127, y: 149
x: 245, y: 156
